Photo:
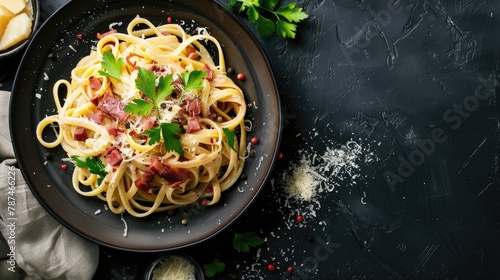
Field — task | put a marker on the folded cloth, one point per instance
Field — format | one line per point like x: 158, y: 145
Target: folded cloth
x: 43, y: 248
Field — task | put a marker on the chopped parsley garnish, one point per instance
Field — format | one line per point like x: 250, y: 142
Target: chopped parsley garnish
x: 213, y: 268
x: 262, y: 13
x: 170, y: 137
x: 94, y: 165
x: 230, y: 137
x: 112, y: 66
x: 242, y: 242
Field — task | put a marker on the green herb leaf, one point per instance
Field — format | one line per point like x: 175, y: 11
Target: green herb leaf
x: 286, y: 19
x: 94, y: 165
x: 266, y: 27
x: 138, y: 106
x: 292, y: 13
x: 242, y: 242
x: 269, y: 4
x: 230, y: 137
x: 146, y: 82
x: 112, y: 67
x: 193, y: 79
x: 213, y: 268
x: 165, y: 88
x: 170, y: 137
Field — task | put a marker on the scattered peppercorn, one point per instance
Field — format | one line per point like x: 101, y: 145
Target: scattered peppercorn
x: 169, y: 19
x: 229, y: 70
x: 64, y: 166
x: 234, y: 276
x: 280, y: 155
x: 184, y: 221
x: 289, y: 269
x: 271, y: 267
x: 309, y: 238
x: 254, y: 140
x: 79, y: 36
x: 171, y: 212
x: 299, y: 218
x: 240, y: 77
x: 47, y: 155
x: 49, y: 186
x: 243, y: 176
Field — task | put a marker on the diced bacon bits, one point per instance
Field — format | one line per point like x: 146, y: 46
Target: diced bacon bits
x: 113, y: 107
x: 95, y: 83
x: 100, y: 36
x: 169, y: 173
x: 210, y: 73
x: 80, y: 134
x: 240, y: 77
x: 113, y: 156
x: 145, y: 182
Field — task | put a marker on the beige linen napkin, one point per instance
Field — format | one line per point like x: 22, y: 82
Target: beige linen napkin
x: 44, y: 248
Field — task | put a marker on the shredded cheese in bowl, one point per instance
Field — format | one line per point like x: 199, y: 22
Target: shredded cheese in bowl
x: 174, y: 267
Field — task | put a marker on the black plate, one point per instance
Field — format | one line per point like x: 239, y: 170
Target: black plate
x: 32, y: 100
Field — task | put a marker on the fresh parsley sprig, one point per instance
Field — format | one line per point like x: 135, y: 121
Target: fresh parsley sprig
x: 214, y: 267
x: 112, y: 66
x: 94, y: 165
x: 146, y: 83
x: 169, y: 132
x: 262, y: 13
x: 242, y: 242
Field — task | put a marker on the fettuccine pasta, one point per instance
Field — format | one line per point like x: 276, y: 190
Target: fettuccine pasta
x: 150, y: 120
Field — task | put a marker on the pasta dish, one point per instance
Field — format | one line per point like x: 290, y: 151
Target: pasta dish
x: 150, y: 121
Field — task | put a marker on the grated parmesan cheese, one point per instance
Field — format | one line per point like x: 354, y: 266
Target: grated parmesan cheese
x: 301, y: 183
x: 174, y: 268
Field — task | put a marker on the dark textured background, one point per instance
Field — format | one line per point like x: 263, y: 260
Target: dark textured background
x: 415, y: 84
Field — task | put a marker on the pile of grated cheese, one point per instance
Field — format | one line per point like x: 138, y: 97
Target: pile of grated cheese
x: 301, y: 183
x: 174, y: 268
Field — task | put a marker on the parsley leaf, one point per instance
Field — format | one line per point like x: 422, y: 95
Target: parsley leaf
x: 192, y: 80
x: 170, y: 137
x: 242, y: 242
x: 262, y: 11
x: 112, y: 67
x: 139, y: 106
x: 94, y: 165
x: 230, y: 137
x: 213, y: 268
x: 146, y: 82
